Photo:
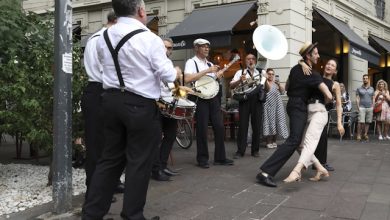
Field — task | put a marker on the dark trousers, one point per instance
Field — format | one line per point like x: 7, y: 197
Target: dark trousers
x: 322, y: 148
x: 93, y: 118
x: 209, y: 109
x: 169, y: 128
x: 132, y: 129
x: 249, y: 109
x: 297, y: 112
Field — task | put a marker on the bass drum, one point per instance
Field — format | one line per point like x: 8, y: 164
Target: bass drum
x: 206, y: 87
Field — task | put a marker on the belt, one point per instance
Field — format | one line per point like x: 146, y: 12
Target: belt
x: 314, y: 101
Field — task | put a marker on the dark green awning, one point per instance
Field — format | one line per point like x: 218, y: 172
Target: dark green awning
x: 215, y: 23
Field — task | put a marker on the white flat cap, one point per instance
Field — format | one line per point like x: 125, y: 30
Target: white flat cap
x: 201, y: 41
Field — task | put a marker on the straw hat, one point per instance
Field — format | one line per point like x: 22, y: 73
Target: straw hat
x: 307, y: 48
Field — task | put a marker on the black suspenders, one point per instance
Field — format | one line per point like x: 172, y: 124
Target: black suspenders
x: 115, y: 52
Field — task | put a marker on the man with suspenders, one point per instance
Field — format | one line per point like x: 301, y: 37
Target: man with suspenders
x: 248, y: 109
x: 206, y: 109
x: 134, y: 62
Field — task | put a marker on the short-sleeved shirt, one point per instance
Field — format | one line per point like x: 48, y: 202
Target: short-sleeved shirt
x: 365, y: 94
x: 237, y: 75
x: 301, y: 85
x: 190, y: 67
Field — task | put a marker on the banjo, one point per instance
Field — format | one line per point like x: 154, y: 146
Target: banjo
x: 206, y: 87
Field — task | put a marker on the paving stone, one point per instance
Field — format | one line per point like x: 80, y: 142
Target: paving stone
x: 308, y: 201
x: 375, y: 211
x: 380, y: 194
x: 356, y: 188
x: 347, y: 206
x: 256, y: 212
x: 284, y: 213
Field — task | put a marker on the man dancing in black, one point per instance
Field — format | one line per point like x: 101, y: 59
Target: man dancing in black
x: 299, y: 89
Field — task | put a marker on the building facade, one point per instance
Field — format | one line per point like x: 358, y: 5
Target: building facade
x: 347, y: 30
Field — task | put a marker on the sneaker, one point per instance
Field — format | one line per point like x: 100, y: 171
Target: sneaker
x: 365, y: 137
x: 387, y: 137
x: 275, y: 145
x: 270, y: 146
x: 380, y: 138
x: 358, y: 138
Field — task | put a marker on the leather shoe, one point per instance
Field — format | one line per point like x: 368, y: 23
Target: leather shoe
x: 265, y: 180
x: 160, y: 176
x: 237, y: 155
x: 255, y: 154
x: 170, y: 172
x: 226, y: 162
x: 204, y: 165
x: 120, y: 188
x: 326, y: 166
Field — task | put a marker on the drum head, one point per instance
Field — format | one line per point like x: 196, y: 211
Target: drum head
x: 207, y: 86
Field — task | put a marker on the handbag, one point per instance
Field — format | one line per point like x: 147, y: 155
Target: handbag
x: 378, y: 107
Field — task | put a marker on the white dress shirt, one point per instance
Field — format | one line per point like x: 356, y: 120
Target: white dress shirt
x: 190, y: 67
x: 166, y: 89
x: 91, y: 62
x: 142, y: 59
x: 238, y: 74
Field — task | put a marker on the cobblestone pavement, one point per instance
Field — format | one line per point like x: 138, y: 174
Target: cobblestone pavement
x: 359, y: 188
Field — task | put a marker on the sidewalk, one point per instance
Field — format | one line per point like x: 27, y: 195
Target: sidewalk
x: 358, y: 189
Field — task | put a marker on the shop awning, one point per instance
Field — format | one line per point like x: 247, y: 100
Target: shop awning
x: 358, y: 46
x: 214, y: 23
x: 381, y: 42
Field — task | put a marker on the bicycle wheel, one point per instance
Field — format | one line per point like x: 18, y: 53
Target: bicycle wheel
x: 184, y: 134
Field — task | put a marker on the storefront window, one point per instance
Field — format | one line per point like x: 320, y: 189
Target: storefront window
x: 380, y: 9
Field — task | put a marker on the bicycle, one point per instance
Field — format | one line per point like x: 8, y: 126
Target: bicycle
x: 184, y: 133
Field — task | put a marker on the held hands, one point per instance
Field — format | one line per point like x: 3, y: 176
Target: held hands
x: 243, y: 78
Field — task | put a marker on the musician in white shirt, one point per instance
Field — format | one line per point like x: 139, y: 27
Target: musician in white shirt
x: 131, y: 117
x: 206, y: 109
x: 91, y: 105
x: 248, y: 109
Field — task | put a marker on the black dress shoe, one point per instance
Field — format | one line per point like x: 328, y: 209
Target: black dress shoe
x: 160, y: 176
x: 237, y: 155
x: 226, y: 162
x: 170, y: 172
x: 204, y: 165
x: 265, y: 180
x: 326, y: 166
x: 255, y: 154
x: 120, y: 188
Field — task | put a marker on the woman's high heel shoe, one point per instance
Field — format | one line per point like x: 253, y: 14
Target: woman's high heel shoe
x: 319, y: 175
x: 295, y: 176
